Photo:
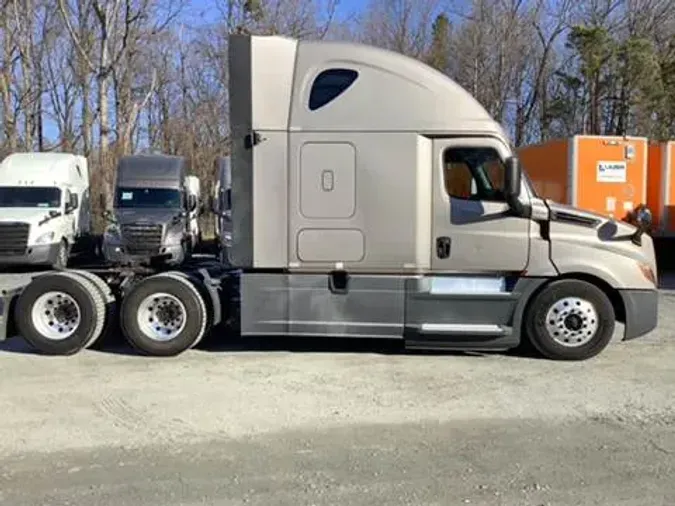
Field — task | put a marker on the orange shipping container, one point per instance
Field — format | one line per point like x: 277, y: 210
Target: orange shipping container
x: 603, y: 174
x: 660, y: 194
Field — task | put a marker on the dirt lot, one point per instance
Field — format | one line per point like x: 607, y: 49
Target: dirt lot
x: 340, y: 423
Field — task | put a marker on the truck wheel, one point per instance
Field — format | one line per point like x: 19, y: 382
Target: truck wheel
x: 110, y: 306
x: 60, y: 313
x: 61, y: 260
x: 570, y: 320
x: 163, y: 315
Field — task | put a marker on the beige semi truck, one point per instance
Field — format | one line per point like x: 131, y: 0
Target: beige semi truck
x: 373, y: 197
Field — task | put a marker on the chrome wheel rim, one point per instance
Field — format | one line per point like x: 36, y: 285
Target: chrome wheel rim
x: 56, y: 315
x: 572, y: 322
x: 161, y: 316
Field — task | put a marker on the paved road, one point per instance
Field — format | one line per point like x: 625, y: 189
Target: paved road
x: 364, y: 425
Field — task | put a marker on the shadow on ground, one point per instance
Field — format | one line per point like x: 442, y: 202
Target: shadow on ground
x: 116, y: 345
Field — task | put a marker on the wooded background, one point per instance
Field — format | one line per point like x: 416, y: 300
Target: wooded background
x: 105, y: 78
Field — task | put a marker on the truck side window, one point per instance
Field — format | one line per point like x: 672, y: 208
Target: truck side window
x: 329, y: 85
x: 473, y: 173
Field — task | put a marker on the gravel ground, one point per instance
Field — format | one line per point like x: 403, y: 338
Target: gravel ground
x: 340, y: 423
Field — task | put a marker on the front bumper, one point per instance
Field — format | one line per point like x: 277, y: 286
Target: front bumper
x: 641, y: 312
x: 43, y: 254
x: 115, y: 253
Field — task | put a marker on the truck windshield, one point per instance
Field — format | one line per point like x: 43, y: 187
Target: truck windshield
x: 148, y: 198
x: 30, y: 196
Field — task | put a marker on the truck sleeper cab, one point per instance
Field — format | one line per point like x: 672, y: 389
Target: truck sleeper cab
x: 44, y: 208
x: 150, y: 221
x: 372, y: 196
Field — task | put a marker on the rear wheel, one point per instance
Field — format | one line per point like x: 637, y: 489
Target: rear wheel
x: 570, y: 320
x: 60, y: 313
x: 163, y: 315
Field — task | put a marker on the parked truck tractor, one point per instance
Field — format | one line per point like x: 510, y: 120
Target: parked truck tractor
x: 150, y: 221
x: 45, y: 212
x: 372, y: 196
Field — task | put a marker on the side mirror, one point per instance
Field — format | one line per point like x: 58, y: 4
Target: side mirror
x: 512, y: 183
x: 642, y: 219
x: 73, y: 204
x: 512, y: 178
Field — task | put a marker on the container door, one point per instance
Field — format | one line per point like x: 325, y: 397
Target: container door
x: 473, y: 229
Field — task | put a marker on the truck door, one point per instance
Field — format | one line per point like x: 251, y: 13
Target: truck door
x: 473, y: 229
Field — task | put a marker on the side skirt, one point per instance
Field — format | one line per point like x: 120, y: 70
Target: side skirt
x: 466, y: 312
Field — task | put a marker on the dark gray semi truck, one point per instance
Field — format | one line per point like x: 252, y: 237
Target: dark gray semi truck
x: 371, y: 196
x: 150, y: 219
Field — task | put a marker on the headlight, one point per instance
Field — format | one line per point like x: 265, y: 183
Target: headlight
x: 45, y: 238
x: 647, y: 272
x: 174, y: 235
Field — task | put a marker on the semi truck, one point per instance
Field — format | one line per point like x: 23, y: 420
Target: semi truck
x: 153, y: 213
x: 45, y: 211
x: 371, y: 197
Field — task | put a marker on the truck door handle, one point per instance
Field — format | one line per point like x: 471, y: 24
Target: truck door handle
x: 443, y: 247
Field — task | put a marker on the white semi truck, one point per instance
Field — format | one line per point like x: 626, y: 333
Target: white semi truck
x: 45, y: 211
x: 371, y: 196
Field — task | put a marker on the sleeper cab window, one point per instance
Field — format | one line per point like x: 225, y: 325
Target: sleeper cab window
x: 473, y: 173
x: 329, y: 85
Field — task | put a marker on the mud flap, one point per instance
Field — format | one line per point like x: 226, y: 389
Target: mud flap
x: 7, y: 300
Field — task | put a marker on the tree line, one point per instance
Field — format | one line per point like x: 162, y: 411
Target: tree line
x: 106, y: 78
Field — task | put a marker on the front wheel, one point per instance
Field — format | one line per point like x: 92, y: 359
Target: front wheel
x: 570, y: 320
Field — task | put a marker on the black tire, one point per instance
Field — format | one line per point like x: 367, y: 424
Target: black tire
x: 545, y: 343
x: 62, y: 255
x: 110, y: 308
x: 196, y: 317
x: 89, y: 301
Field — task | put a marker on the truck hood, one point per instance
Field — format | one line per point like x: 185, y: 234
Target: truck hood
x: 32, y: 215
x: 153, y: 216
x: 584, y: 241
x: 571, y: 214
